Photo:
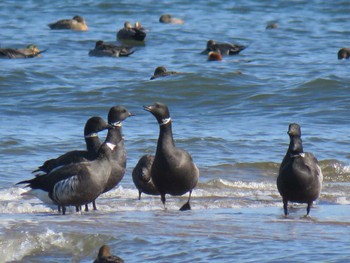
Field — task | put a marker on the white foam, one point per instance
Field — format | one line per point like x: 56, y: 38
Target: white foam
x: 342, y: 200
x: 18, y: 246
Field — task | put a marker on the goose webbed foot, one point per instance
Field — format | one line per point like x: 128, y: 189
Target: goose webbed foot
x: 187, y: 205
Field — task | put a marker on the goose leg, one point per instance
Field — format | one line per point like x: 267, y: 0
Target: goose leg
x: 63, y: 210
x: 94, y: 205
x: 162, y: 198
x: 308, y: 208
x: 86, y: 208
x: 285, y: 206
x: 140, y: 195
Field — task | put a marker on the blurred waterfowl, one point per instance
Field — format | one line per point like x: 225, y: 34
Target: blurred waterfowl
x: 214, y: 56
x: 76, y: 23
x: 344, y: 53
x: 105, y: 256
x: 168, y: 19
x: 30, y: 51
x: 173, y: 170
x: 103, y: 49
x: 300, y: 177
x: 163, y: 72
x: 271, y: 26
x: 141, y: 176
x: 128, y: 32
x: 223, y: 48
x: 140, y: 27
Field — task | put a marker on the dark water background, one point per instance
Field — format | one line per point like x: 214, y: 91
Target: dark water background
x: 234, y: 125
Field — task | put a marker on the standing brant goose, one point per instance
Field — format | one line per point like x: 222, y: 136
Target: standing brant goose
x: 93, y: 143
x: 173, y: 170
x: 300, y: 177
x: 116, y: 115
x: 77, y: 184
x: 141, y: 175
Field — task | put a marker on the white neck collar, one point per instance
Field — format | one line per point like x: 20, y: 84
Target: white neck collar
x: 94, y: 134
x: 165, y: 121
x: 116, y: 124
x: 297, y: 155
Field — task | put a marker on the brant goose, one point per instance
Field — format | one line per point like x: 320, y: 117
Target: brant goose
x: 300, y: 177
x: 116, y: 115
x: 141, y: 175
x: 77, y: 184
x: 173, y: 170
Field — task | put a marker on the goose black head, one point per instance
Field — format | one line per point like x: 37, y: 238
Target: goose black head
x: 95, y: 125
x: 117, y: 114
x: 160, y: 111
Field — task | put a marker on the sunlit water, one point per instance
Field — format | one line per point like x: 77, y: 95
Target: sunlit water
x: 234, y: 125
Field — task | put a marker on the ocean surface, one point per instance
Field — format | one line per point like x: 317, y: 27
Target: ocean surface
x: 231, y: 115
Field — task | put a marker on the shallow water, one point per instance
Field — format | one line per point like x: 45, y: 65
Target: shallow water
x: 234, y: 125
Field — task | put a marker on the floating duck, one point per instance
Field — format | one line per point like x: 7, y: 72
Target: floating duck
x: 163, y: 72
x: 214, y: 56
x: 168, y: 19
x: 104, y: 256
x: 103, y: 49
x: 223, y: 48
x: 30, y: 51
x: 128, y: 32
x: 76, y: 23
x: 344, y: 53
